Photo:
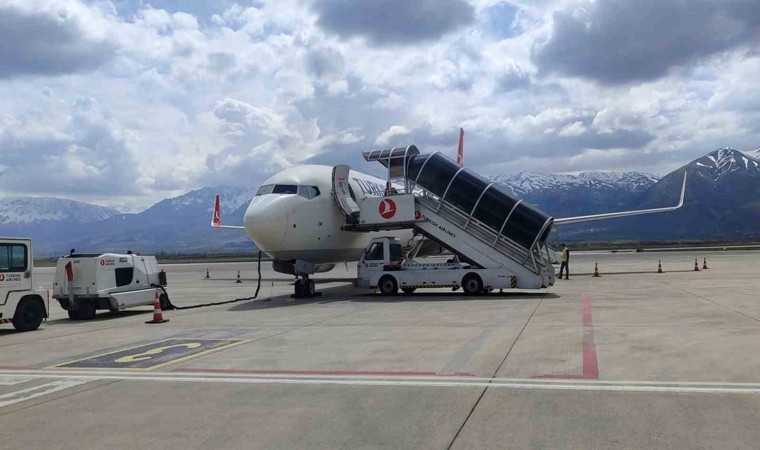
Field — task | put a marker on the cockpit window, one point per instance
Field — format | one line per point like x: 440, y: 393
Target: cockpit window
x: 308, y: 191
x: 264, y: 190
x: 304, y: 191
x: 285, y: 189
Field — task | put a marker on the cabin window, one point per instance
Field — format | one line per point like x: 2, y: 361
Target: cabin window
x: 13, y: 258
x: 395, y: 252
x: 124, y: 276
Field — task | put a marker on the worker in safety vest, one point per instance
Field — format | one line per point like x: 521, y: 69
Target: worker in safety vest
x: 565, y: 262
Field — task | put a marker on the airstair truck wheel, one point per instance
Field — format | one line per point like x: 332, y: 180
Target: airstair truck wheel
x: 472, y: 284
x: 388, y: 285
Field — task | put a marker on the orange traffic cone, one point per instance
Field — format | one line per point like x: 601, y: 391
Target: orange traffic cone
x: 208, y: 275
x: 238, y: 278
x: 704, y: 264
x: 158, y: 316
x: 696, y: 265
x: 659, y: 266
x: 596, y: 270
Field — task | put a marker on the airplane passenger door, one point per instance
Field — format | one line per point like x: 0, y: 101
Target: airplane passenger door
x: 342, y: 193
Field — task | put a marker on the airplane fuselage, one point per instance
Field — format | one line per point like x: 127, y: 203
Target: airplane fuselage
x: 294, y: 217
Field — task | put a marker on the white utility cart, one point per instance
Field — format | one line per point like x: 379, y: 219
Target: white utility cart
x: 86, y: 283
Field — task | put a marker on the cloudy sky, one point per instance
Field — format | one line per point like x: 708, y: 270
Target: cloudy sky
x: 125, y: 102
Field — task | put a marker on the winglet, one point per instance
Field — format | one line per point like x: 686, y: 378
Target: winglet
x: 216, y: 219
x: 683, y: 189
x: 460, y: 152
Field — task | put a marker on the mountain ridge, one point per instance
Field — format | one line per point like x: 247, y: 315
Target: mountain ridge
x: 720, y: 197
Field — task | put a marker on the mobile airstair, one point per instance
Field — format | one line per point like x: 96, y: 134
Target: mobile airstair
x: 475, y: 219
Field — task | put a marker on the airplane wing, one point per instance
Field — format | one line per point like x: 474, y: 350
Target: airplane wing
x: 216, y: 218
x: 579, y: 219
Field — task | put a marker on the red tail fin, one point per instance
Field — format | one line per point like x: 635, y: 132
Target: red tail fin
x: 460, y: 153
x: 216, y: 220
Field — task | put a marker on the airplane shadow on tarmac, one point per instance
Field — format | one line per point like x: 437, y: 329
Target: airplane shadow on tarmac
x: 341, y: 294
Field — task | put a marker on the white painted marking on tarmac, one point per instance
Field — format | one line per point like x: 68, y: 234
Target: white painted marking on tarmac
x: 79, y: 377
x: 11, y: 381
x: 38, y: 391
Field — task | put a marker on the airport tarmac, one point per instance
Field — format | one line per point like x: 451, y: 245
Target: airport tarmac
x: 630, y: 360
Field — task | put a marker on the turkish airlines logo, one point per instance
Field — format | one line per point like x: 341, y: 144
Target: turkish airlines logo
x: 2, y: 277
x: 217, y: 218
x: 387, y: 208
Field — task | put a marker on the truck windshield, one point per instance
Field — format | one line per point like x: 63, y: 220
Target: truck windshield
x: 375, y: 252
x: 13, y: 258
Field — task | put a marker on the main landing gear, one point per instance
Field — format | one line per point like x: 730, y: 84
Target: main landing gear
x: 304, y: 287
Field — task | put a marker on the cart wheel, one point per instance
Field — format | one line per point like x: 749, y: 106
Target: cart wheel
x: 84, y: 311
x: 388, y: 285
x: 29, y: 315
x: 472, y: 284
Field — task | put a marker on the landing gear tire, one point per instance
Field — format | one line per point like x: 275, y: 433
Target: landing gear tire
x: 84, y: 311
x: 29, y: 315
x: 472, y: 284
x: 408, y: 290
x: 305, y: 288
x: 387, y: 285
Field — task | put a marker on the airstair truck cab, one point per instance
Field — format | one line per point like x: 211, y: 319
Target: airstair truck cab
x: 86, y: 283
x: 20, y: 305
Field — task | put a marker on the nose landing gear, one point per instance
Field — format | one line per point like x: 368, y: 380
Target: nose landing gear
x: 305, y: 288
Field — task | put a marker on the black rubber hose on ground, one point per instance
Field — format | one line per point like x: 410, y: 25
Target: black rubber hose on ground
x: 170, y: 306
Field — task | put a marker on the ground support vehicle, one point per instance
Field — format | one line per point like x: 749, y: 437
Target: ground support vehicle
x: 85, y: 283
x: 382, y: 267
x: 479, y: 222
x: 20, y: 304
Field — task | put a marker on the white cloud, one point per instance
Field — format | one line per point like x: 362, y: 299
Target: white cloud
x: 192, y: 96
x: 391, y: 133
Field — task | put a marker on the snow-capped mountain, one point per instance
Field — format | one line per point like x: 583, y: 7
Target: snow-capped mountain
x: 721, y: 202
x: 47, y: 210
x: 725, y: 161
x: 562, y: 195
x: 755, y: 154
x: 526, y: 182
x: 201, y: 200
x: 722, y: 189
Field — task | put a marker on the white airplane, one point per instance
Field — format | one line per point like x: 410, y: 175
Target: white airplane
x: 294, y: 219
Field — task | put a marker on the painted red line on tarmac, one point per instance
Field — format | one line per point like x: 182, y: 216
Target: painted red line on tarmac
x: 590, y: 363
x: 325, y: 372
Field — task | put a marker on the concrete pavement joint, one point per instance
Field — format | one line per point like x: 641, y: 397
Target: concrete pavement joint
x: 487, y: 384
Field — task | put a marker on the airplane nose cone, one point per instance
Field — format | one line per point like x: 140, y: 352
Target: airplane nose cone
x: 265, y: 222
